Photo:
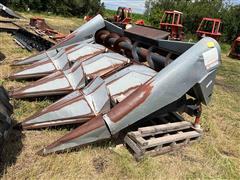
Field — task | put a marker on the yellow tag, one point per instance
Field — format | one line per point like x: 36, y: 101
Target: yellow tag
x: 210, y: 44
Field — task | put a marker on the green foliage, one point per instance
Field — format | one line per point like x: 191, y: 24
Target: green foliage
x: 110, y: 13
x: 231, y: 21
x: 194, y: 11
x: 63, y: 7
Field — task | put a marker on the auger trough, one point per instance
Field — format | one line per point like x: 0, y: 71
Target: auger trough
x: 115, y: 80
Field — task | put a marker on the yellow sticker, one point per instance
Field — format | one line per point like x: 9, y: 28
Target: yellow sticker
x: 210, y: 44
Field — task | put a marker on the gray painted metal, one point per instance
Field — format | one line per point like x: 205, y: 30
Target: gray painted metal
x: 60, y: 60
x: 176, y: 47
x: 63, y: 82
x: 113, y: 28
x: 10, y: 13
x: 173, y: 82
x: 204, y: 88
x: 85, y: 33
x: 94, y: 99
x: 167, y: 86
x: 43, y: 56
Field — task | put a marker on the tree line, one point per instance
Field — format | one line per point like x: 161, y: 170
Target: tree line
x: 61, y: 7
x: 195, y: 10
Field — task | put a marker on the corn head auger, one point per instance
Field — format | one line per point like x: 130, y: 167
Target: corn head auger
x: 116, y: 78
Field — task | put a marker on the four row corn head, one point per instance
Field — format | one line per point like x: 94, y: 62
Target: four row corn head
x: 115, y: 80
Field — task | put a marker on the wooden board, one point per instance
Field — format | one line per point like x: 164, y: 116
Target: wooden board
x: 160, y: 139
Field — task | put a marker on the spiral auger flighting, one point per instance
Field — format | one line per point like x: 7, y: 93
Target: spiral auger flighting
x: 124, y: 80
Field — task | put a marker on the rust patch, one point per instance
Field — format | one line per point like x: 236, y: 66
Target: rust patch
x: 70, y: 47
x: 15, y: 76
x: 16, y: 62
x: 130, y: 103
x: 57, y: 106
x: 73, y: 120
x: 88, y: 56
x: 104, y: 71
x: 58, y: 75
x: 70, y: 36
x: 89, y: 126
x: 147, y: 32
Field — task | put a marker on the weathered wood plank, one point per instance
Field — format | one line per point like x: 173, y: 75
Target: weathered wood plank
x: 159, y: 129
x: 159, y: 139
x: 171, y: 138
x: 137, y: 151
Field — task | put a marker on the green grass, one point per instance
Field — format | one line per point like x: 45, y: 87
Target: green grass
x: 216, y: 156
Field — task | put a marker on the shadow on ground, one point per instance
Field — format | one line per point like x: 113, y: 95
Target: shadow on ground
x: 2, y: 57
x: 12, y: 147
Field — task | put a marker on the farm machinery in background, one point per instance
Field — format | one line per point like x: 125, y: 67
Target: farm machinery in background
x: 121, y: 80
x: 122, y: 18
x: 210, y: 27
x: 172, y: 22
x: 42, y: 28
x: 235, y: 49
x: 25, y: 36
x: 35, y: 34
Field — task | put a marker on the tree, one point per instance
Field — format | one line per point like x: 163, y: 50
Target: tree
x: 63, y: 7
x: 195, y: 10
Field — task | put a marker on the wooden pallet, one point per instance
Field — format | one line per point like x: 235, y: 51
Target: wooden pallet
x: 160, y: 139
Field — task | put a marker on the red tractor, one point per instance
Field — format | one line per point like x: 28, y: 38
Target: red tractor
x: 123, y: 16
x: 235, y: 49
x: 209, y: 27
x: 172, y: 22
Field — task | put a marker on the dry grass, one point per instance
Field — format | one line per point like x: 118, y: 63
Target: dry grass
x: 216, y: 156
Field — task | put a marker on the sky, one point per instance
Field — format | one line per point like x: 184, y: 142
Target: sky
x: 138, y: 6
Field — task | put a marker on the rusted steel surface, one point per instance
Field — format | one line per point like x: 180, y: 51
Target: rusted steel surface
x: 156, y: 93
x: 63, y: 82
x: 148, y: 32
x: 42, y: 28
x: 84, y: 33
x: 43, y: 56
x: 94, y: 99
x: 89, y: 132
x: 110, y: 92
x: 39, y: 23
x: 61, y: 60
